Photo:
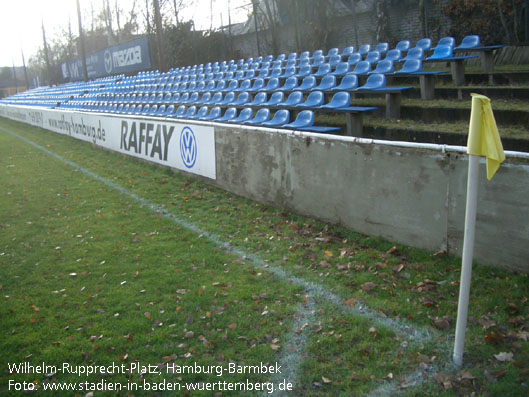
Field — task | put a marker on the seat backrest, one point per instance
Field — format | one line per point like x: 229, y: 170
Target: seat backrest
x: 245, y: 114
x: 382, y: 47
x: 217, y: 97
x: 282, y: 116
x: 258, y: 83
x: 471, y: 41
x: 364, y: 49
x: 290, y: 83
x: 202, y: 112
x: 341, y: 99
x: 262, y: 115
x: 335, y: 60
x: 411, y: 66
x: 332, y: 52
x: 362, y: 67
x: 317, y: 53
x: 342, y: 68
x: 315, y: 99
x: 384, y: 66
x: 393, y: 55
x: 349, y: 81
x: 229, y: 114
x: 354, y: 58
x: 323, y: 69
x: 327, y: 82
x: 376, y: 80
x: 403, y: 45
x: 230, y: 97
x: 259, y: 98
x: 373, y: 57
x: 180, y: 111
x: 305, y: 119
x: 276, y: 97
x: 191, y: 111
x: 447, y: 41
x: 442, y: 51
x: 243, y: 98
x: 347, y: 51
x: 294, y: 98
x: 308, y: 82
x: 415, y: 53
x: 425, y: 44
x: 273, y: 83
x: 318, y: 60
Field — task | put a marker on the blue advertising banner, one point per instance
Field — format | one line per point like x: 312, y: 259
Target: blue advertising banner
x: 132, y: 56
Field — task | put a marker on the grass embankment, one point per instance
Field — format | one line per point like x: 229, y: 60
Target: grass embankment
x: 88, y: 276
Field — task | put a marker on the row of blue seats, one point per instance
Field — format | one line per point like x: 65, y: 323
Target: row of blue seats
x: 315, y: 100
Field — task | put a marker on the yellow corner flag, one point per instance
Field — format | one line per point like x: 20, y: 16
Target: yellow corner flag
x: 483, y: 136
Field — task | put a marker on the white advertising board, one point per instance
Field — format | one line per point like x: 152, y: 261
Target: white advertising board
x: 187, y: 147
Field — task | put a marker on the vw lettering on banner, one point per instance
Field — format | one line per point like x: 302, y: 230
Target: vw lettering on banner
x: 188, y: 147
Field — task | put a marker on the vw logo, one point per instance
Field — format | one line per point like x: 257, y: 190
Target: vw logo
x: 108, y: 61
x: 188, y: 147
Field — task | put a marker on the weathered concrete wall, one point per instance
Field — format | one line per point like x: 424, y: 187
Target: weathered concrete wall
x: 411, y: 195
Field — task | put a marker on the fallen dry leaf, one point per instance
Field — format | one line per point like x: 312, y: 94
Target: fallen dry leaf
x: 326, y: 380
x: 504, y: 356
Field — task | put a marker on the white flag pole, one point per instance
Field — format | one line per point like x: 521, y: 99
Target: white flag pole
x: 468, y: 253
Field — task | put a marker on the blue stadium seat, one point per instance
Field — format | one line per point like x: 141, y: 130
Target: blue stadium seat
x: 305, y: 119
x: 414, y: 53
x: 364, y: 49
x: 215, y: 99
x: 341, y: 99
x: 314, y: 100
x: 169, y: 112
x: 374, y: 82
x: 259, y: 99
x: 327, y: 83
x: 332, y: 52
x: 307, y: 84
x: 317, y: 53
x: 232, y: 85
x: 450, y: 41
x: 335, y: 60
x: 230, y: 97
x: 213, y: 114
x: 289, y: 71
x: 281, y: 117
x: 341, y: 69
x: 304, y: 71
x: 383, y: 67
x: 181, y: 111
x: 393, y: 55
x: 347, y: 51
x: 410, y: 66
x: 290, y: 84
x: 373, y: 57
x: 441, y: 52
x: 469, y: 42
x: 264, y: 73
x: 354, y: 59
x: 257, y: 84
x: 317, y: 61
x: 362, y: 68
x: 293, y: 99
x: 276, y: 98
x: 206, y: 97
x: 160, y: 111
x: 261, y: 116
x: 425, y: 44
x: 272, y: 85
x: 146, y: 109
x: 382, y: 48
x: 242, y: 99
x: 190, y: 113
x: 323, y: 70
x: 220, y: 86
x: 244, y: 115
x: 229, y: 114
x: 193, y: 98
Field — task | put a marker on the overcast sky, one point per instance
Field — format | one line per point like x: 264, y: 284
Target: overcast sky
x: 21, y: 21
